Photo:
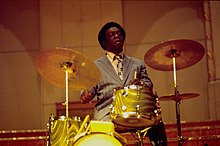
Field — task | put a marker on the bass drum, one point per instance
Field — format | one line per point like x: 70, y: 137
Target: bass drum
x: 99, y: 139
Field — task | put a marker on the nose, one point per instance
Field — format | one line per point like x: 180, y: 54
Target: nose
x: 116, y: 35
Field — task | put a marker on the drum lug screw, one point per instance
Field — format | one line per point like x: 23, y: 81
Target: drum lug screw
x: 124, y: 107
x: 138, y: 109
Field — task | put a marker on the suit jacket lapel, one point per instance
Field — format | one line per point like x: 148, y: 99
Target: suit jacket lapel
x: 107, y: 66
x: 127, y: 65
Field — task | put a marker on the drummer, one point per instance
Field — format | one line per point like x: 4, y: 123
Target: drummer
x: 117, y: 71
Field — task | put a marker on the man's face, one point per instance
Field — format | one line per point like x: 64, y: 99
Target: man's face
x: 114, y: 40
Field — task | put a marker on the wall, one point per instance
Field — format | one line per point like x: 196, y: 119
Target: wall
x: 28, y: 27
x: 72, y: 24
x: 20, y: 101
x: 150, y: 23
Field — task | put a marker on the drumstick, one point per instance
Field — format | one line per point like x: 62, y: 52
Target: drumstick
x: 135, y: 74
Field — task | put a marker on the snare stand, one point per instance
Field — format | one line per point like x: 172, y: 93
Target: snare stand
x: 139, y: 138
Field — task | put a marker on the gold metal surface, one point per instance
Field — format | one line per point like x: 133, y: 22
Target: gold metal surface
x: 178, y: 97
x: 133, y: 106
x: 52, y: 64
x: 58, y: 130
x: 99, y: 133
x: 97, y: 139
x: 187, y: 52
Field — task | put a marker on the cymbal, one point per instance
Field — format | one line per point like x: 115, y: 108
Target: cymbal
x: 186, y: 53
x: 52, y: 64
x: 179, y: 97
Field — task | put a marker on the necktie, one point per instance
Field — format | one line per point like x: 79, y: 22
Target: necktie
x: 119, y: 67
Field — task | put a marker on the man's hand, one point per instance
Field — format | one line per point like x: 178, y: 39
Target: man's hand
x: 140, y: 83
x: 86, y: 96
x: 136, y: 82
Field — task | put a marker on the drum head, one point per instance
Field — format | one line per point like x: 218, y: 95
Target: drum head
x: 134, y: 121
x: 98, y: 139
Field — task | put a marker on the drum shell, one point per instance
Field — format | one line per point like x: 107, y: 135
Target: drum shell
x: 134, y: 102
x: 58, y: 129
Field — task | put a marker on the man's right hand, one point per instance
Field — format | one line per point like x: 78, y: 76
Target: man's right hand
x: 86, y: 96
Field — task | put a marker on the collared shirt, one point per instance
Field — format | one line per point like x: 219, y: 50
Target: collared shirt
x: 113, y: 60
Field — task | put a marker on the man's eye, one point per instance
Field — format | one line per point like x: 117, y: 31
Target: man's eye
x: 119, y: 33
x: 110, y: 34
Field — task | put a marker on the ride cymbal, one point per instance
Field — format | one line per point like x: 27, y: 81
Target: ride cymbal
x: 186, y: 52
x: 178, y: 97
x: 53, y: 63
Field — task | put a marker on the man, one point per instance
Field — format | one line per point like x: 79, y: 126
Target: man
x: 117, y: 71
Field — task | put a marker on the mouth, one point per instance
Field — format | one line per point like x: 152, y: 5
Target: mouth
x: 118, y: 42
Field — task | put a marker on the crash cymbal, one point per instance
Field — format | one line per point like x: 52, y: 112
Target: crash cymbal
x: 53, y: 63
x: 186, y: 52
x: 179, y: 97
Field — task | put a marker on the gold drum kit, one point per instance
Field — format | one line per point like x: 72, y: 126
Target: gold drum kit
x: 134, y: 108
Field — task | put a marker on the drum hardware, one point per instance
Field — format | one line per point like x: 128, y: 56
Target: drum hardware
x: 138, y: 111
x: 53, y: 63
x: 139, y: 134
x: 139, y: 138
x: 99, y: 133
x: 184, y: 53
x: 57, y: 127
x: 84, y: 127
x: 133, y: 107
x: 135, y: 110
x: 64, y: 67
x: 180, y: 97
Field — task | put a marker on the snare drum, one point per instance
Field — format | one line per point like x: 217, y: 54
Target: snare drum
x: 58, y: 129
x: 134, y: 106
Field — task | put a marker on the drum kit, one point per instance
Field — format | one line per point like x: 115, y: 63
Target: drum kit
x: 133, y: 107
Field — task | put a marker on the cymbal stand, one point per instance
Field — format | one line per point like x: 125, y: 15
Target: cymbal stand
x: 67, y: 108
x: 139, y: 138
x: 66, y: 66
x: 174, y: 54
x: 137, y: 135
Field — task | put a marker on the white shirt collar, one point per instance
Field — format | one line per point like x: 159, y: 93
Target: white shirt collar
x: 111, y: 56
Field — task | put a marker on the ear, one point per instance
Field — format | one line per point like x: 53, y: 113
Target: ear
x: 104, y: 43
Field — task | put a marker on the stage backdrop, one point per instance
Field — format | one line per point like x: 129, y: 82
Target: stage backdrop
x: 28, y: 27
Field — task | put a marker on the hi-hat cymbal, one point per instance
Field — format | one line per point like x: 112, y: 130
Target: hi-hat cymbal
x: 178, y: 97
x: 186, y: 53
x: 52, y: 64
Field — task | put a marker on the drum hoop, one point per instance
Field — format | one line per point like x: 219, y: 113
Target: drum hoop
x: 95, y: 133
x: 64, y: 118
x: 127, y: 88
